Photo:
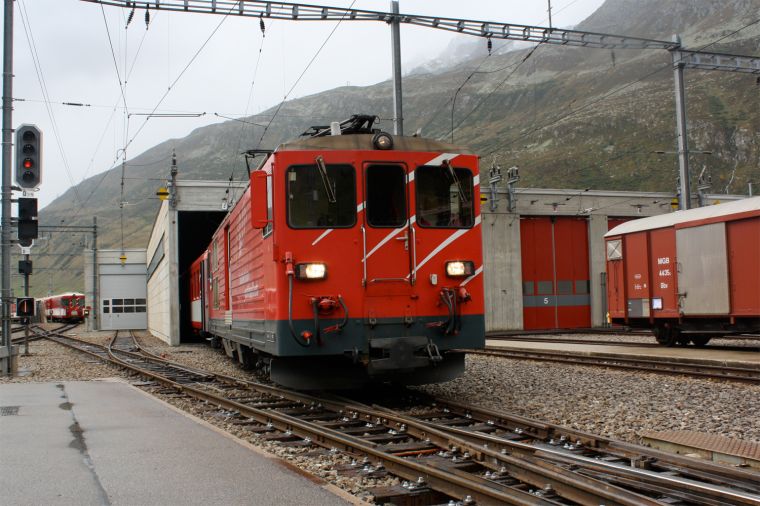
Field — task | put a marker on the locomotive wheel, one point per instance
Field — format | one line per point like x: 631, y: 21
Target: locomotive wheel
x: 700, y: 340
x: 666, y: 336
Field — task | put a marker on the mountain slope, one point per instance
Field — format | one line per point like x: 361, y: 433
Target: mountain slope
x: 569, y: 117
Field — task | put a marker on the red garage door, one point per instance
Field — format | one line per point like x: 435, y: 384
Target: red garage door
x: 613, y: 222
x: 555, y: 273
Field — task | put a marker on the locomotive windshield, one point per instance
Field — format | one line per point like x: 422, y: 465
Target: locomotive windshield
x: 321, y: 196
x: 444, y: 197
x: 386, y: 196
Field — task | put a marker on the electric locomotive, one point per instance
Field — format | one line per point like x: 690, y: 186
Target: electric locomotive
x: 354, y: 255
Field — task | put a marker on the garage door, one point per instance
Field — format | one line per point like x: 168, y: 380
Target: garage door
x: 555, y: 273
x: 123, y: 297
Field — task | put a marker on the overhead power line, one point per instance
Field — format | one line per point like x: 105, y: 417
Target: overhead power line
x: 493, y: 29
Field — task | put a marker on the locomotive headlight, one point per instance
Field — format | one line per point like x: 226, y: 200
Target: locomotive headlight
x: 460, y: 268
x: 382, y: 140
x: 311, y: 271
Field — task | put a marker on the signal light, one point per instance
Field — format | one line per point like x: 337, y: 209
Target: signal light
x: 25, y: 307
x: 27, y: 220
x: 28, y: 157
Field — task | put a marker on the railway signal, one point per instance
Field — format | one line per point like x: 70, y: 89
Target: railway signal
x: 25, y: 267
x: 28, y: 157
x: 27, y: 220
x: 25, y: 307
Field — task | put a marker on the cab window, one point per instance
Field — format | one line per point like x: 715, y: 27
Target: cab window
x: 321, y: 196
x: 386, y: 196
x: 444, y: 197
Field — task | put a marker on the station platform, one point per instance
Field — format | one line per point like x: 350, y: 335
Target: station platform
x: 689, y: 353
x: 108, y: 443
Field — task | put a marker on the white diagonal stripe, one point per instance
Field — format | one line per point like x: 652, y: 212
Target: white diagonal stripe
x: 477, y: 271
x: 476, y: 180
x: 324, y: 234
x: 438, y: 160
x: 359, y: 209
x: 453, y: 237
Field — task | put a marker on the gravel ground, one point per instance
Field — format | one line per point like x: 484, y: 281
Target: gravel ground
x: 617, y: 404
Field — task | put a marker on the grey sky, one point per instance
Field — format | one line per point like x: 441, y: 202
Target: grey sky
x: 78, y: 66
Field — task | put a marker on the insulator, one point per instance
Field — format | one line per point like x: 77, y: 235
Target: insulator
x: 490, y: 46
x: 261, y: 25
x: 131, y: 15
x: 147, y: 16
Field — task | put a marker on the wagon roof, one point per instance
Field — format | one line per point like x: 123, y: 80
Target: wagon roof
x: 698, y: 214
x: 363, y: 142
x: 67, y: 294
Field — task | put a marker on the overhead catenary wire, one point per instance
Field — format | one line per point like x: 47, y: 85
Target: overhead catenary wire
x: 490, y: 93
x: 26, y: 22
x: 230, y: 193
x: 308, y: 65
x: 585, y: 106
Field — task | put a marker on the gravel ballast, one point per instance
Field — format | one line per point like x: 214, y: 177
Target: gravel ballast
x: 611, y: 403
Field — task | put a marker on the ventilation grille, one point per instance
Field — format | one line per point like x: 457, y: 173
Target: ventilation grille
x: 8, y: 410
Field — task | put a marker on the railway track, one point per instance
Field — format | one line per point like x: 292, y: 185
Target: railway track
x: 37, y: 332
x: 680, y: 366
x: 544, y: 338
x: 447, y: 451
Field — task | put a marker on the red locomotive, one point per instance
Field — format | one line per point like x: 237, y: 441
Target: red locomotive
x: 66, y: 307
x: 350, y: 257
x: 689, y: 275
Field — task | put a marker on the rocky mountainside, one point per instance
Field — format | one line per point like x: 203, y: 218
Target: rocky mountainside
x: 569, y: 117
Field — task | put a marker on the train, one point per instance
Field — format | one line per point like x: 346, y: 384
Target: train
x: 688, y: 276
x: 64, y: 307
x: 354, y: 256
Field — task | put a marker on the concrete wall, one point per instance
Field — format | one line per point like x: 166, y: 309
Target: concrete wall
x: 159, y: 320
x: 164, y: 298
x: 502, y: 271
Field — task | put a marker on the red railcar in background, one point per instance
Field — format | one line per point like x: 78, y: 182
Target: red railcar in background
x: 350, y: 257
x: 689, y: 275
x: 65, y: 307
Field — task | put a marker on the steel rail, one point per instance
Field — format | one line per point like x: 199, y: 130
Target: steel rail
x: 687, y: 489
x: 438, y: 479
x: 599, y: 342
x: 698, y: 369
x: 532, y: 465
x: 545, y: 431
x: 711, y: 489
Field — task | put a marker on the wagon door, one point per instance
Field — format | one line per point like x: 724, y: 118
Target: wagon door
x: 388, y: 242
x: 703, y: 270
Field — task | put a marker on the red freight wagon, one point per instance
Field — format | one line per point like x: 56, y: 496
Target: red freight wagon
x: 350, y: 257
x: 689, y: 275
